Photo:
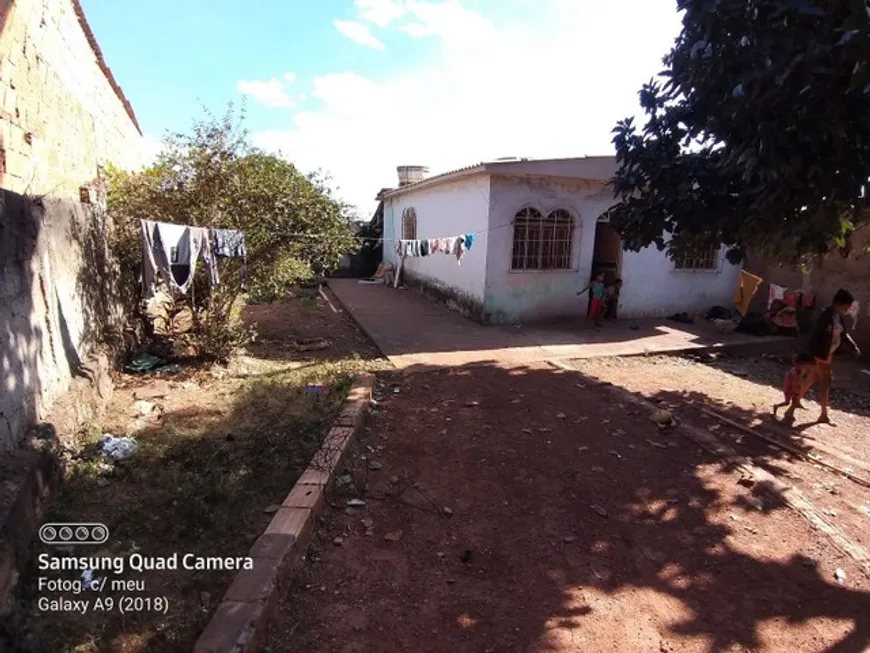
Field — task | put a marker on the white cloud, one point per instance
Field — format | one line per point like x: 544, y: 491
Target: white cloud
x: 358, y: 33
x: 271, y: 93
x: 537, y: 78
x: 379, y: 12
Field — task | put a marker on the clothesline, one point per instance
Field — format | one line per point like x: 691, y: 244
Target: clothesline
x: 396, y: 240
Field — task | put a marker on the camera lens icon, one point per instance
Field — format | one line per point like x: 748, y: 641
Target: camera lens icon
x: 73, y: 533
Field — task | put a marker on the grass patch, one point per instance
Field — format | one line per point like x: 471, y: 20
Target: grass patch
x: 200, y: 482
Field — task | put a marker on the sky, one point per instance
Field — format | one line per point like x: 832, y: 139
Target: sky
x: 358, y: 87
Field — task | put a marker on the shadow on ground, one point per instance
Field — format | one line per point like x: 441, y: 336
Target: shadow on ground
x: 848, y: 393
x: 575, y: 524
x: 201, y: 482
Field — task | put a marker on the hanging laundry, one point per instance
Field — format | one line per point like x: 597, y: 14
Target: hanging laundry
x: 424, y: 248
x: 170, y: 253
x: 230, y: 243
x: 469, y: 241
x: 460, y: 249
x: 746, y: 289
x: 776, y: 293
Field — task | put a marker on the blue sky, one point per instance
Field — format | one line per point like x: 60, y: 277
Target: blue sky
x: 357, y: 87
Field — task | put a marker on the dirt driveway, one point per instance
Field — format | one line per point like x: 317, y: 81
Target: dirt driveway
x: 525, y: 510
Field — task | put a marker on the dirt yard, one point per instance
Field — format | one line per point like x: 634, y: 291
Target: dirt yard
x: 524, y: 510
x: 216, y: 449
x: 744, y: 389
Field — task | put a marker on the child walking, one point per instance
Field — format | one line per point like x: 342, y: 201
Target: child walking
x: 596, y: 299
x: 794, y: 384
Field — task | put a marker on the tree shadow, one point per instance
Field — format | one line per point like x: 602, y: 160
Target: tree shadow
x: 849, y: 391
x: 21, y: 325
x: 575, y: 524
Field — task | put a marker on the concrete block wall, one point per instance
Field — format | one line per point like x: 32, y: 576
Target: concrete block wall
x: 62, y: 115
x: 62, y: 119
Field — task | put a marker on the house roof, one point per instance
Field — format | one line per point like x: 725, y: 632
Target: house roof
x: 595, y: 168
x: 92, y: 41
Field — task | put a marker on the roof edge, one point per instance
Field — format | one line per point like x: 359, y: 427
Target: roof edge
x: 486, y: 167
x: 107, y: 72
x: 468, y: 171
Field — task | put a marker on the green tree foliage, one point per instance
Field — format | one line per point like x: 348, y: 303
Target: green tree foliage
x: 757, y: 134
x: 295, y: 228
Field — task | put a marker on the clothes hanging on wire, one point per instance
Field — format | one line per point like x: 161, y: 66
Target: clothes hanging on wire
x: 170, y: 253
x: 456, y: 246
x: 776, y: 292
x: 230, y: 243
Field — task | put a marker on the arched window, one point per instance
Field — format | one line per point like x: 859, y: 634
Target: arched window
x: 542, y: 243
x: 409, y: 224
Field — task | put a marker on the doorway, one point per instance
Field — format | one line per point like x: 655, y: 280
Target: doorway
x: 607, y: 254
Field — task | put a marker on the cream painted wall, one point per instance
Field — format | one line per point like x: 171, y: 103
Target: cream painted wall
x: 445, y: 210
x: 518, y: 296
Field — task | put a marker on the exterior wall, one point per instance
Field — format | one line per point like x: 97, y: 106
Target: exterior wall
x: 653, y: 288
x: 540, y: 295
x: 56, y: 285
x: 61, y: 117
x: 827, y: 275
x: 445, y: 210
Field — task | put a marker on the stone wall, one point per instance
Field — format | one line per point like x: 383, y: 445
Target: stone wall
x: 62, y: 115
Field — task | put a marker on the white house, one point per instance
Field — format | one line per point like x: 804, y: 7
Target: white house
x: 539, y: 235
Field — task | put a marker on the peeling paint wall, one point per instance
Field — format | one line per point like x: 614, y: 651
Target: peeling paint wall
x: 444, y: 210
x: 525, y: 296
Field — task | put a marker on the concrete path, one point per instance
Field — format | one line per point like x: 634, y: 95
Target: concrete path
x: 415, y: 332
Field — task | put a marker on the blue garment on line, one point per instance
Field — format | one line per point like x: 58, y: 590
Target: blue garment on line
x: 469, y: 241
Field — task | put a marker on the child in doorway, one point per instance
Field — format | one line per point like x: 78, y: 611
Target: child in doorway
x: 795, y: 381
x: 596, y: 299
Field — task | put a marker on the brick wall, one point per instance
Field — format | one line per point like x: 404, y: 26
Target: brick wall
x: 824, y: 279
x: 62, y: 116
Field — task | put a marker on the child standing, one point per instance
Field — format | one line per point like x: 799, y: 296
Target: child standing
x: 596, y: 299
x: 793, y: 386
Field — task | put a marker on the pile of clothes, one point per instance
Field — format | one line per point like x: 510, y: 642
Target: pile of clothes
x: 170, y: 253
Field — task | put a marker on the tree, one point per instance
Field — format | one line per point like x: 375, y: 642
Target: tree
x: 212, y: 177
x: 757, y: 133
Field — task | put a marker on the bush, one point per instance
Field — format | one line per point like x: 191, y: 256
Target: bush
x: 295, y: 229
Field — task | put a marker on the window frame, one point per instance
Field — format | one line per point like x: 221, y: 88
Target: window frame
x: 714, y: 255
x: 552, y: 242
x: 409, y: 224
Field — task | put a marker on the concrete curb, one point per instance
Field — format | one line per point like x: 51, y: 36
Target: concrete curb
x: 240, y: 621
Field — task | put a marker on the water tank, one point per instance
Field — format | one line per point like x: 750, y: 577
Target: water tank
x: 411, y: 174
